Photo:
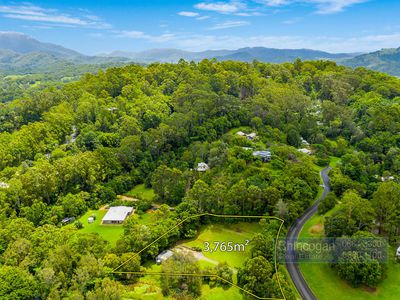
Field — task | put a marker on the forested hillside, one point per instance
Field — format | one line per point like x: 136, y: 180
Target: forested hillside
x: 65, y: 150
x: 385, y: 60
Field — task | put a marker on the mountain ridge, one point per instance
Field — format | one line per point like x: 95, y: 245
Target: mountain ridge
x: 384, y: 60
x: 244, y: 54
x: 22, y: 54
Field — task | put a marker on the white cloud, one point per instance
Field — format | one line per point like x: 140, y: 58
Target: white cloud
x: 97, y: 35
x: 34, y: 13
x: 221, y: 7
x: 291, y: 21
x: 323, y: 6
x: 229, y: 24
x: 275, y: 2
x: 133, y: 34
x: 248, y: 14
x: 331, y: 44
x: 188, y: 14
x: 200, y: 42
x: 334, y: 6
x: 50, y: 19
x: 203, y: 18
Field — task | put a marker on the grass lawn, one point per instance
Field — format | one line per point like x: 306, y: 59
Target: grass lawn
x: 110, y: 233
x: 235, y: 233
x: 148, y: 286
x: 327, y: 285
x: 241, y: 128
x: 334, y: 161
x: 141, y: 192
x: 218, y: 293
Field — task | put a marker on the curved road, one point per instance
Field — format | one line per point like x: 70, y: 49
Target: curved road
x: 292, y: 235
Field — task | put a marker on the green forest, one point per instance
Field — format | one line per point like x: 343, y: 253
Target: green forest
x: 70, y: 148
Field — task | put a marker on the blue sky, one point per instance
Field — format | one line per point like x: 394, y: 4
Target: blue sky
x: 98, y: 26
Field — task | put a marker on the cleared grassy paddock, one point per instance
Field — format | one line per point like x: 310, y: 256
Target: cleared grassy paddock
x: 142, y: 192
x: 327, y: 285
x: 235, y: 233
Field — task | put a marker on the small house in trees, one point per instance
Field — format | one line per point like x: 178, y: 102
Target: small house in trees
x: 265, y: 155
x: 304, y: 142
x: 67, y: 220
x: 164, y: 256
x: 202, y: 167
x: 117, y: 214
x: 398, y: 252
x: 305, y: 151
x: 251, y: 136
x: 4, y: 185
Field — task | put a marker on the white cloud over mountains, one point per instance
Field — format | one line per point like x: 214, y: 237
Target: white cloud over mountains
x: 35, y: 13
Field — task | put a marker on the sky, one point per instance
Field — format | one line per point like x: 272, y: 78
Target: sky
x: 99, y: 26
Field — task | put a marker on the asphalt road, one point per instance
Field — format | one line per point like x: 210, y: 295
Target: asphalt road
x: 293, y: 233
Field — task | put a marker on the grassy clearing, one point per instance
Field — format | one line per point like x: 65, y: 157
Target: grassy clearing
x: 242, y: 128
x: 148, y: 287
x: 235, y: 233
x: 142, y: 192
x: 110, y: 233
x: 218, y: 293
x: 334, y: 161
x: 327, y: 285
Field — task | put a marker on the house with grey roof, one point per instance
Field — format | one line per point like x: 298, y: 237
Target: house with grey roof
x: 117, y: 214
x: 265, y: 155
x: 164, y: 256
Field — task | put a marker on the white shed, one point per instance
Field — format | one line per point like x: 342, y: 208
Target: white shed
x: 398, y: 252
x: 202, y: 167
x: 163, y: 256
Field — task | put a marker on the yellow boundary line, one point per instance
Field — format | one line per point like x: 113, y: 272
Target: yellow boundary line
x: 114, y: 271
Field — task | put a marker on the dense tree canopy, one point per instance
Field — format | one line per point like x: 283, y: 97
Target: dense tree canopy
x: 68, y: 148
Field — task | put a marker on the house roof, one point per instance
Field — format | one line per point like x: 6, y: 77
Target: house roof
x: 202, y: 166
x: 264, y: 153
x: 117, y: 213
x: 165, y: 254
x: 305, y: 150
x: 4, y: 185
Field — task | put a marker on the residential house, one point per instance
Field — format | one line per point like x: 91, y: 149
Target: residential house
x: 265, y: 155
x: 117, y: 214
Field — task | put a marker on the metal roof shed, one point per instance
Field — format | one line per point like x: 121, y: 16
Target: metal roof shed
x: 117, y: 214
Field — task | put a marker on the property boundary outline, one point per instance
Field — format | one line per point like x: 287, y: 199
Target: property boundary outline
x: 115, y: 270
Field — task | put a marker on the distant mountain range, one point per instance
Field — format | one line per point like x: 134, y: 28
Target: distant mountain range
x: 20, y: 53
x: 242, y: 54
